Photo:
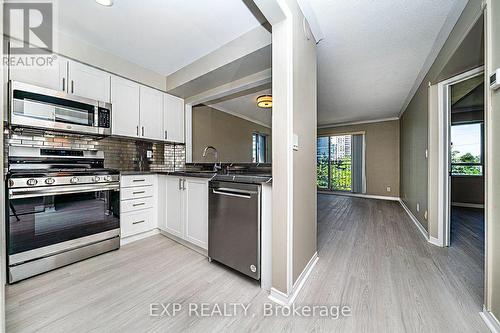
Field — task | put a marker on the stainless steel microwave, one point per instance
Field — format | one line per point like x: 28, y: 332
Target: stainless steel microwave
x: 36, y: 107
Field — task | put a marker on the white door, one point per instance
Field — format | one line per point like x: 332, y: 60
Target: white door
x: 196, y: 210
x: 52, y: 77
x: 125, y: 107
x: 151, y: 106
x: 174, y: 213
x: 173, y: 118
x: 89, y: 82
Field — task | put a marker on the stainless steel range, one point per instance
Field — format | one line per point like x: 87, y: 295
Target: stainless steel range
x: 63, y: 206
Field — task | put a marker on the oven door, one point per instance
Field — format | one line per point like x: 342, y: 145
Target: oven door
x: 44, y: 221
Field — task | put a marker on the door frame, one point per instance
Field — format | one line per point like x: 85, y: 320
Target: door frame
x: 444, y: 162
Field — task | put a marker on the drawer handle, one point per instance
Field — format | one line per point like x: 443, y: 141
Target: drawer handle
x: 139, y: 192
x: 138, y: 204
x: 137, y: 222
x: 138, y: 180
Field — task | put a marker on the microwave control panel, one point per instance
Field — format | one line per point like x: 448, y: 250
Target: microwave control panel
x: 104, y: 119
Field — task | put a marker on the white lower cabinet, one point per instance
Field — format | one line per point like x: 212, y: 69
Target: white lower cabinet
x: 196, y: 211
x: 133, y: 223
x: 187, y: 209
x: 138, y: 204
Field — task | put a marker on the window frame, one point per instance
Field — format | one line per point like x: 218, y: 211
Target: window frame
x: 256, y: 150
x: 481, y: 157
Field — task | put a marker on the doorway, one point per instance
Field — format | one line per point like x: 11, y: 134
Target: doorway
x: 467, y: 182
x: 462, y: 170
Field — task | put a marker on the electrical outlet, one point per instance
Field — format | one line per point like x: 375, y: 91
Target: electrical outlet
x: 418, y: 207
x: 388, y: 189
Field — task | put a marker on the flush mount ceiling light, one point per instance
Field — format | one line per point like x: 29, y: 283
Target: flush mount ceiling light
x: 107, y: 3
x: 265, y: 101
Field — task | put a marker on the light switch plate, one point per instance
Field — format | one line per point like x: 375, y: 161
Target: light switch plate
x: 149, y: 154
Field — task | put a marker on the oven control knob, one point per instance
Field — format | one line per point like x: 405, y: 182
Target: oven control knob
x: 74, y: 180
x: 107, y: 178
x: 32, y: 182
x: 50, y: 181
x: 96, y: 179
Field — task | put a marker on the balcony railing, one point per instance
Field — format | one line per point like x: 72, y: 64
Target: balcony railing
x: 334, y: 175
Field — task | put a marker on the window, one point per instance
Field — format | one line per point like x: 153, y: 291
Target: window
x: 259, y: 144
x: 467, y: 149
x: 333, y: 159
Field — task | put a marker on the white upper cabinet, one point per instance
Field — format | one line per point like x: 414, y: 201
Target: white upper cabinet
x: 53, y: 77
x: 151, y: 106
x: 89, y: 82
x: 125, y: 107
x: 173, y: 118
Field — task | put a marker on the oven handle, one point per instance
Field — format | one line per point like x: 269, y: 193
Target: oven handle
x: 58, y: 190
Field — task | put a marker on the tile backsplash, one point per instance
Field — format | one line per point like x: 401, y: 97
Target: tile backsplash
x: 119, y: 153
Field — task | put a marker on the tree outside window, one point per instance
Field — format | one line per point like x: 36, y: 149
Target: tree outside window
x: 467, y: 149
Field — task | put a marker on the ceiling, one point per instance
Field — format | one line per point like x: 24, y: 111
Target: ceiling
x: 244, y: 105
x: 373, y: 53
x: 159, y: 35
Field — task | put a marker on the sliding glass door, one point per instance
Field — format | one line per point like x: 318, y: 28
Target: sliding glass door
x: 340, y: 163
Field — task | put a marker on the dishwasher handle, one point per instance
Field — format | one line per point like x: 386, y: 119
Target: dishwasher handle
x: 233, y: 193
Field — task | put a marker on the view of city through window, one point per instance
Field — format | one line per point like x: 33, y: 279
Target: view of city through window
x: 334, y: 163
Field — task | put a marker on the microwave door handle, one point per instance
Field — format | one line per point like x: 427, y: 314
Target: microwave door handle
x: 96, y: 116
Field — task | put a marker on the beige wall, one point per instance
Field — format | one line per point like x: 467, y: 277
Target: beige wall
x: 382, y: 154
x: 493, y: 162
x: 454, y: 58
x: 294, y: 172
x: 230, y: 135
x: 304, y: 159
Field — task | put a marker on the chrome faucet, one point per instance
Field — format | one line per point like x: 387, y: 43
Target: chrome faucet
x: 218, y: 164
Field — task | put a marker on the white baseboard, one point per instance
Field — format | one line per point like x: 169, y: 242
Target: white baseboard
x: 415, y: 221
x: 287, y: 300
x: 435, y: 241
x: 467, y: 205
x: 490, y: 320
x: 131, y: 239
x: 359, y: 195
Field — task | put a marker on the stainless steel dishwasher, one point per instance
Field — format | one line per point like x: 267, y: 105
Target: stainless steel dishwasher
x: 234, y: 226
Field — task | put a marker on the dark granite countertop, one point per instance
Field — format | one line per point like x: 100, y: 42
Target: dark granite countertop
x: 238, y: 178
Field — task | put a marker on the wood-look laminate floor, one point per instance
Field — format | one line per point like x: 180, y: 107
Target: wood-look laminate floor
x: 372, y: 258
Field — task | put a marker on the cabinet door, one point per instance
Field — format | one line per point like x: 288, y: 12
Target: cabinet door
x: 196, y: 210
x: 53, y: 77
x: 173, y: 118
x: 125, y: 107
x: 151, y: 106
x: 174, y: 215
x: 89, y: 82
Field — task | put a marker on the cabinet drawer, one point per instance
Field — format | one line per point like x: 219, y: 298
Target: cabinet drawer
x: 137, y: 192
x: 136, y: 222
x: 136, y: 204
x: 137, y: 180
